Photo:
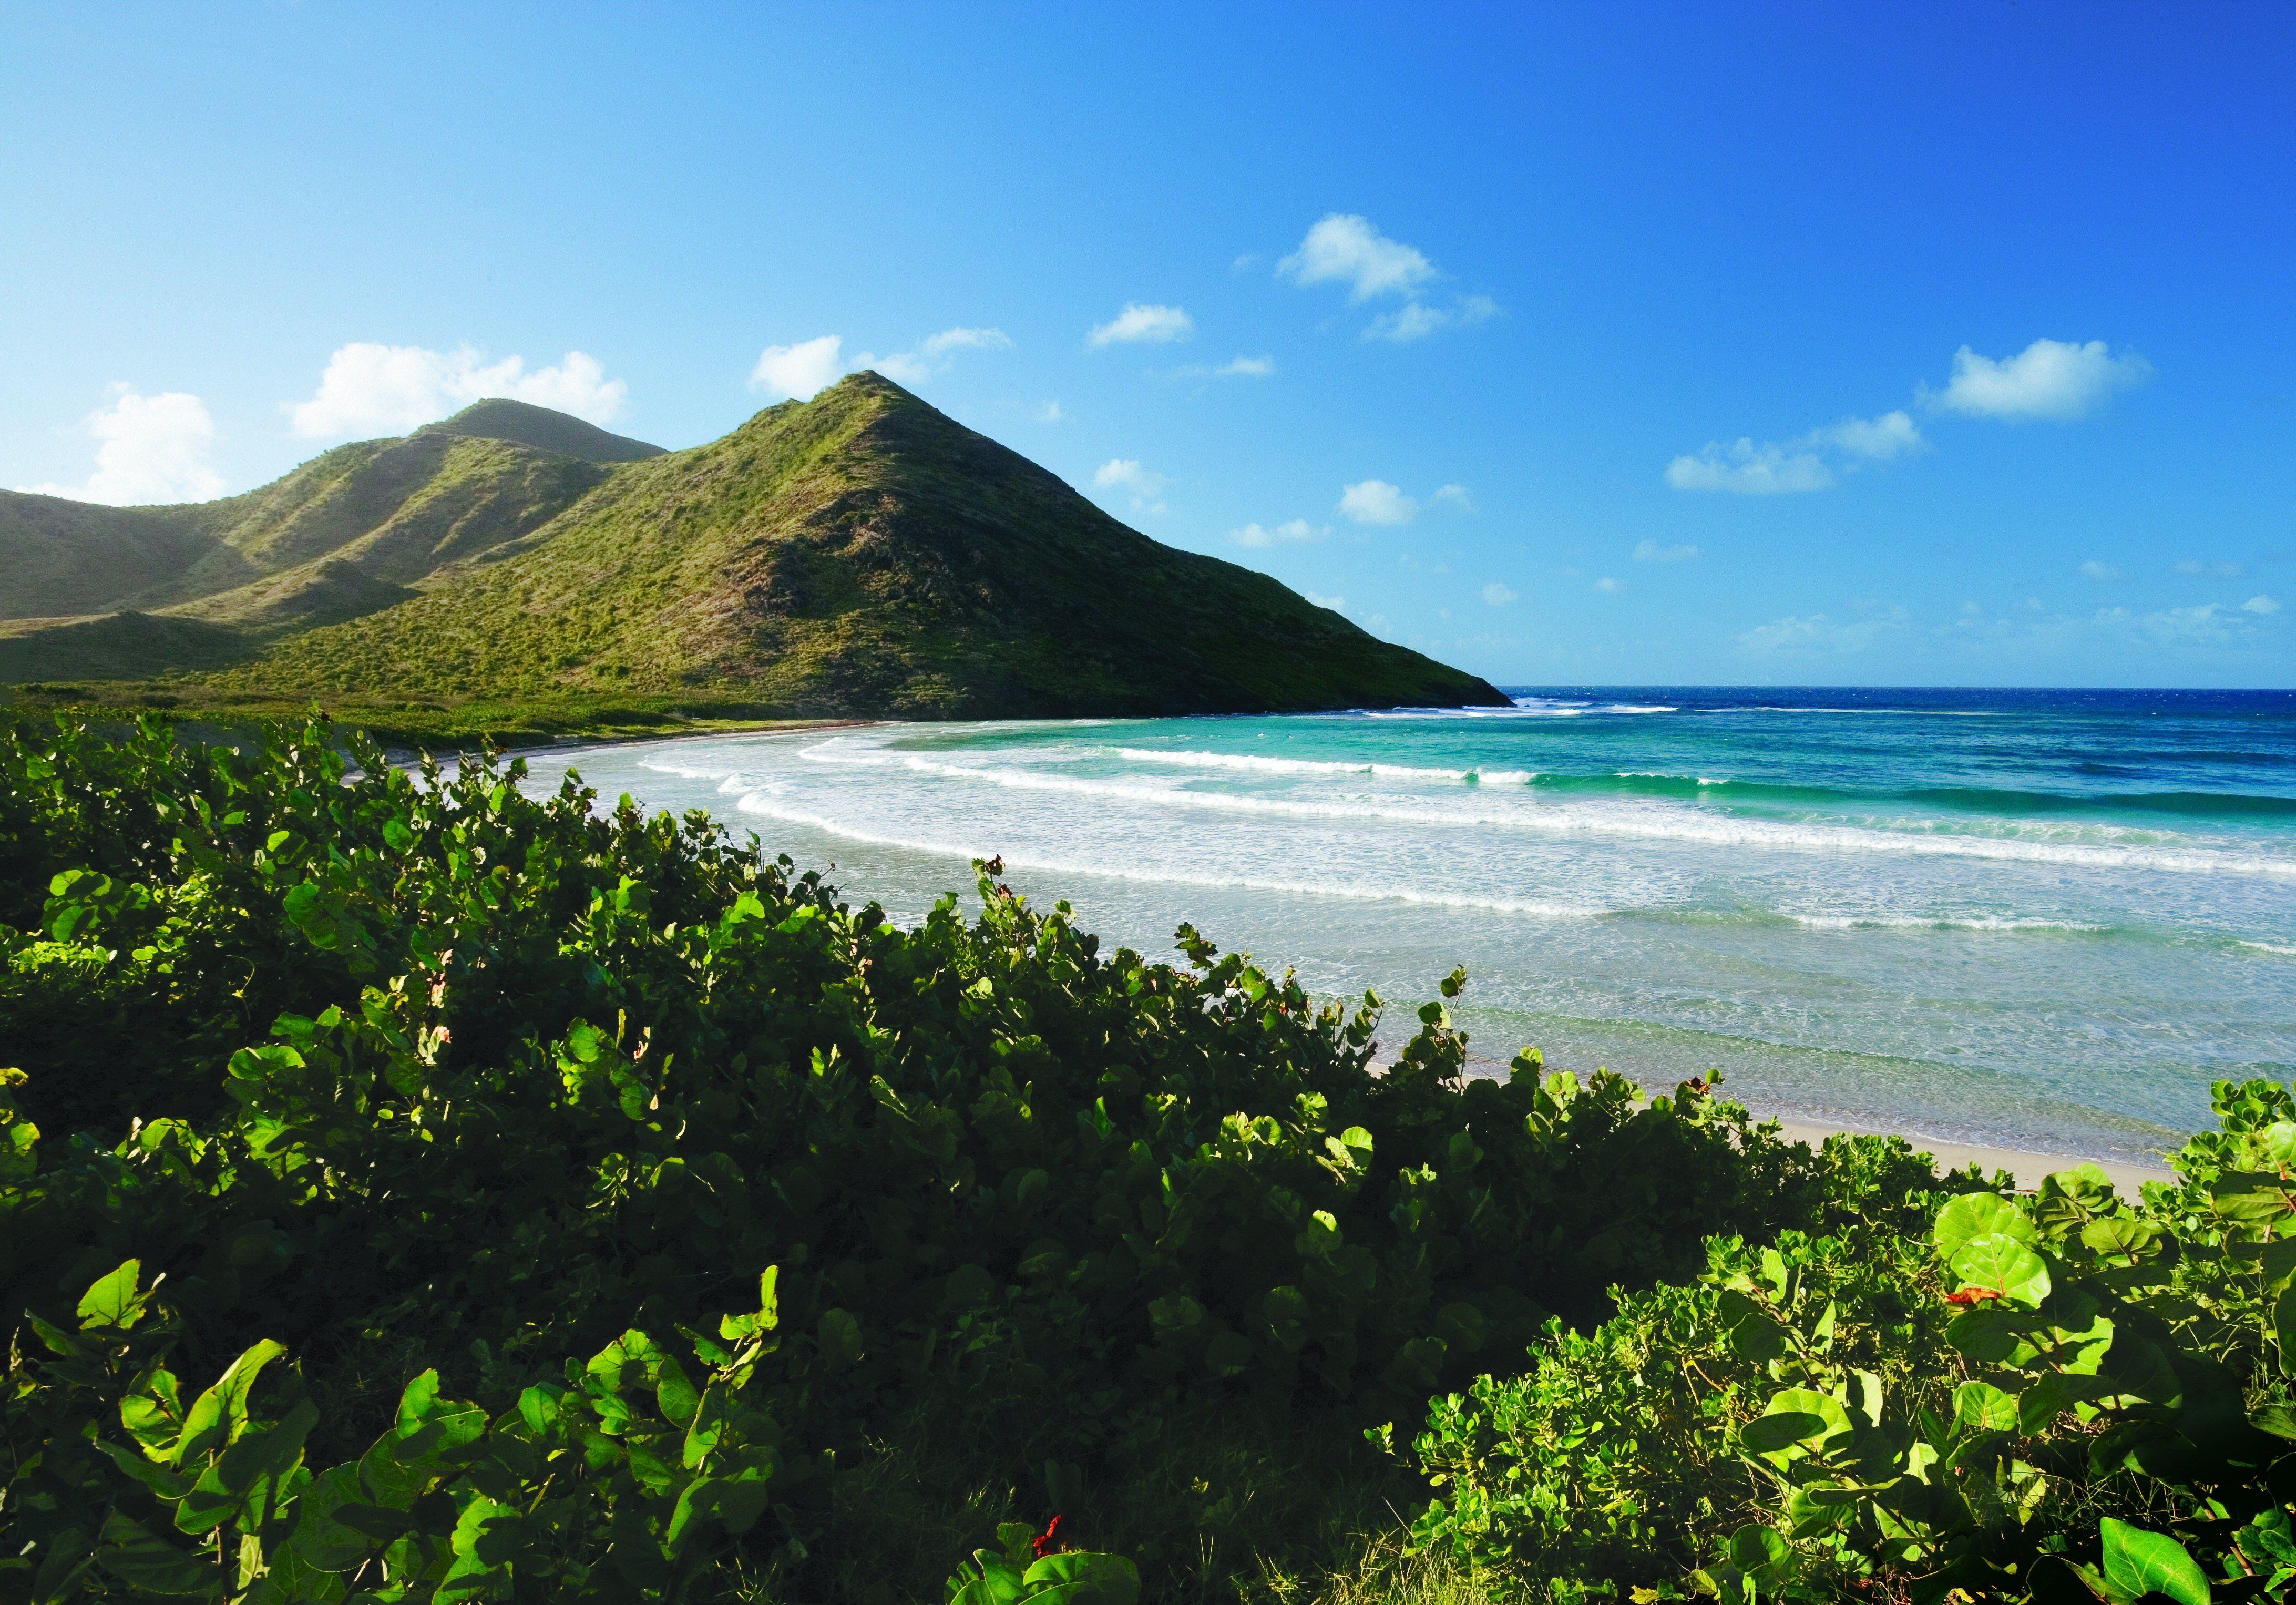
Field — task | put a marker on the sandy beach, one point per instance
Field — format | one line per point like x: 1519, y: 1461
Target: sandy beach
x: 2028, y: 1168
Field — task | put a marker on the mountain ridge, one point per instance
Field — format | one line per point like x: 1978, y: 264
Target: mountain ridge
x: 857, y: 555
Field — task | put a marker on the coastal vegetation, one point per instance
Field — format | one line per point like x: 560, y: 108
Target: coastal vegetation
x: 858, y: 555
x: 422, y: 1184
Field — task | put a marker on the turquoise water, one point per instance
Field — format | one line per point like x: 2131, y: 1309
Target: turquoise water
x: 2045, y: 920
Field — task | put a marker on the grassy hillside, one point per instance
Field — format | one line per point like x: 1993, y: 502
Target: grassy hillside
x: 857, y: 555
x: 864, y: 554
x: 498, y: 419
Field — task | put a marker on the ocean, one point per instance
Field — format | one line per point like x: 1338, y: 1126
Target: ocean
x: 2040, y: 920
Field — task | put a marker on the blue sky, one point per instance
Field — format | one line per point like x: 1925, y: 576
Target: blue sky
x: 1938, y: 343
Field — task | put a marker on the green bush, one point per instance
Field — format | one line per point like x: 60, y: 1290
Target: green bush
x: 2068, y: 1396
x: 423, y: 1089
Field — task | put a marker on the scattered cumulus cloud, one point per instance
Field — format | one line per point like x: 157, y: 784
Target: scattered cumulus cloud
x: 1377, y: 502
x: 1246, y: 263
x: 1608, y: 584
x: 798, y: 370
x: 1419, y: 320
x: 1239, y: 368
x: 1875, y: 440
x: 2093, y: 570
x: 1336, y: 603
x: 2209, y: 624
x: 802, y: 371
x: 1820, y: 633
x: 149, y: 448
x: 1650, y: 551
x: 1051, y: 413
x: 1455, y: 498
x: 1345, y: 248
x: 2259, y: 605
x: 369, y: 389
x: 1810, y: 462
x: 1137, y: 323
x: 1290, y: 533
x: 1499, y: 595
x: 1750, y: 470
x: 1127, y: 474
x: 2048, y: 379
x: 964, y: 339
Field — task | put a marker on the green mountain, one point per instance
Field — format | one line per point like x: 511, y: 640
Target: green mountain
x: 857, y: 555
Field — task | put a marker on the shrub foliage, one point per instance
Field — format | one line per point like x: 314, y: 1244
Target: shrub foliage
x: 395, y: 1159
x: 413, y: 1188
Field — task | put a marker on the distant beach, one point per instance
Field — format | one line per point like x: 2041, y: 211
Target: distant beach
x: 2026, y: 924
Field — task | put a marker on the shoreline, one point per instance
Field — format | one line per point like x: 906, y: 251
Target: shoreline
x: 2027, y: 1167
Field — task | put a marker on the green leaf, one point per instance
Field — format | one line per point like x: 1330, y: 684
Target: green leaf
x: 113, y: 1301
x: 2003, y: 1265
x: 2139, y: 1562
x: 1796, y: 1417
x: 1984, y: 1407
x: 1759, y: 1551
x: 143, y: 1560
x: 2251, y: 1199
x: 325, y: 1543
x: 1974, y: 1215
x: 1081, y: 1577
x: 219, y: 1414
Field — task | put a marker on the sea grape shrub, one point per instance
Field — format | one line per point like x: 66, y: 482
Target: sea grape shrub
x: 624, y: 1479
x: 427, y: 1072
x: 1611, y: 1457
x: 2069, y: 1395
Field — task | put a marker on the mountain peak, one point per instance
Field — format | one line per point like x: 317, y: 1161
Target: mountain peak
x: 499, y: 418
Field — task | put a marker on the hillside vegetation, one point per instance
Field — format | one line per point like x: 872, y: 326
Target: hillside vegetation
x: 413, y: 1191
x: 857, y: 555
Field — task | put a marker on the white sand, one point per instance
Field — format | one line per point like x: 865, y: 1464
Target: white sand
x: 2028, y: 1168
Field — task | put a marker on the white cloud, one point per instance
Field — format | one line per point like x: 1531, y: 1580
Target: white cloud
x: 2221, y: 571
x: 1158, y: 326
x: 798, y: 370
x: 1239, y: 367
x: 2048, y: 379
x: 1290, y: 533
x: 369, y: 389
x: 1750, y: 470
x: 1817, y: 632
x: 2209, y: 624
x: 1050, y: 412
x: 803, y: 370
x: 2093, y: 570
x: 1498, y: 595
x: 1608, y: 584
x: 1127, y: 474
x: 1890, y: 435
x: 1347, y: 249
x: 1650, y: 551
x: 1419, y: 320
x: 1377, y: 502
x: 1801, y: 463
x: 151, y: 449
x: 2259, y: 605
x: 975, y: 340
x: 1335, y: 603
x: 1455, y: 498
x: 1246, y: 263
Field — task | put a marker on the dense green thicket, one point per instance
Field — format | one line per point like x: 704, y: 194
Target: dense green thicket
x: 417, y: 1190
x: 376, y: 1094
x: 2064, y: 1397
